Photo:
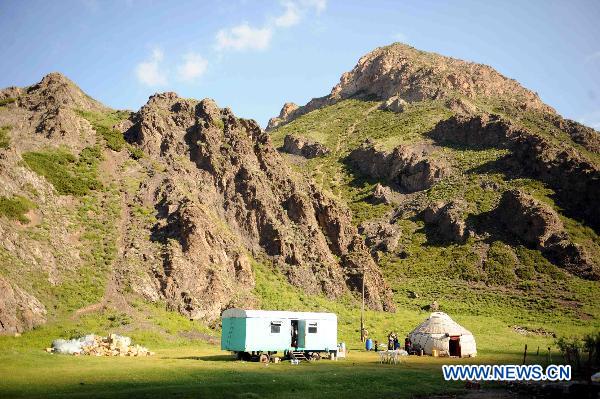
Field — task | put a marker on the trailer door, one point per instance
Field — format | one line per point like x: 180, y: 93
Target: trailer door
x: 302, y: 334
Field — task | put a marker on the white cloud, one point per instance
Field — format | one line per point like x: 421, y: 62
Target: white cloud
x: 192, y: 68
x: 290, y: 17
x: 149, y: 72
x: 244, y: 37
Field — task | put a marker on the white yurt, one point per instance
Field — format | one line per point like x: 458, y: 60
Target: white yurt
x: 442, y: 334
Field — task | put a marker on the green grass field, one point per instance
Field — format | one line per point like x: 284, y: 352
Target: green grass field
x: 195, y: 369
x: 186, y: 366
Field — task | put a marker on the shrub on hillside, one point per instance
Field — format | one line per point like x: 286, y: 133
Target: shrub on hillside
x: 4, y: 139
x: 16, y: 207
x: 136, y: 153
x: 500, y: 264
x: 6, y: 101
x: 68, y: 174
x: 103, y: 124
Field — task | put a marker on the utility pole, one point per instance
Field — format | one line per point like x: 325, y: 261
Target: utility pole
x: 362, y: 310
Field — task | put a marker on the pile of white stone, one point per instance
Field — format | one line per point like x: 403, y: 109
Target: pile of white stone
x: 95, y: 345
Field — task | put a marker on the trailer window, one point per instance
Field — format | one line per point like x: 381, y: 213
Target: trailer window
x: 312, y: 328
x: 275, y: 327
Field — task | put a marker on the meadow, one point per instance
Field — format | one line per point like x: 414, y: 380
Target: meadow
x: 196, y: 369
x: 189, y: 363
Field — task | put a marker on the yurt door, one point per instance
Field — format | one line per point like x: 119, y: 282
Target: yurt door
x: 454, y: 346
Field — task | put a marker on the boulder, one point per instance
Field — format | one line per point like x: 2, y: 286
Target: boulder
x: 395, y: 104
x: 538, y: 226
x: 380, y: 235
x: 382, y: 195
x: 448, y: 220
x: 297, y: 145
x: 406, y: 168
x: 19, y: 310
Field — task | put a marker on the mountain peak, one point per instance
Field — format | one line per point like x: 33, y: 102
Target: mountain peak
x: 399, y: 70
x: 56, y: 90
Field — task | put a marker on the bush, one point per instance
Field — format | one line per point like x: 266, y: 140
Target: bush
x: 68, y: 175
x: 16, y: 207
x: 136, y: 153
x: 103, y: 124
x: 500, y: 264
x: 114, y: 139
x: 119, y: 319
x: 532, y: 261
x: 4, y: 139
x: 6, y: 101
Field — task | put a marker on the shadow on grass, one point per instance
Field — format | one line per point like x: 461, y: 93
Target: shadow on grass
x: 211, y: 358
x: 243, y: 381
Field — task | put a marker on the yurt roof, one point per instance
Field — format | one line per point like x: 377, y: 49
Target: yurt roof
x: 440, y: 323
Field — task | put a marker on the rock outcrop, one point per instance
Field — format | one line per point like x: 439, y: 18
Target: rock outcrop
x: 19, y: 310
x: 586, y: 136
x: 49, y: 108
x: 380, y: 235
x: 285, y: 114
x: 241, y: 184
x: 574, y: 177
x: 303, y: 147
x: 395, y: 104
x: 383, y: 195
x: 448, y: 220
x: 403, y: 167
x: 539, y: 226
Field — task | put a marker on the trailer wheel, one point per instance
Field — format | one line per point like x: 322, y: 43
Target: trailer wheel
x: 264, y: 358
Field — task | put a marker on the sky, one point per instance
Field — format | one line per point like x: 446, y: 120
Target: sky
x: 253, y: 56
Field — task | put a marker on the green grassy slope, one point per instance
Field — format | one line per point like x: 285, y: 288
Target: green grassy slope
x: 516, y: 284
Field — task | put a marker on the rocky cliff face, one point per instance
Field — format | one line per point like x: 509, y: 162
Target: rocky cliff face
x: 407, y: 168
x: 222, y: 199
x: 572, y: 174
x: 262, y: 205
x: 303, y: 147
x: 539, y: 226
x: 19, y: 310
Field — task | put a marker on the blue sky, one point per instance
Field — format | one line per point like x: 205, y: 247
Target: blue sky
x: 255, y: 55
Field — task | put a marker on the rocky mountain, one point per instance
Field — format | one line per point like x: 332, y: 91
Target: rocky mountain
x: 179, y: 210
x: 459, y: 175
x: 418, y: 173
x: 400, y: 73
